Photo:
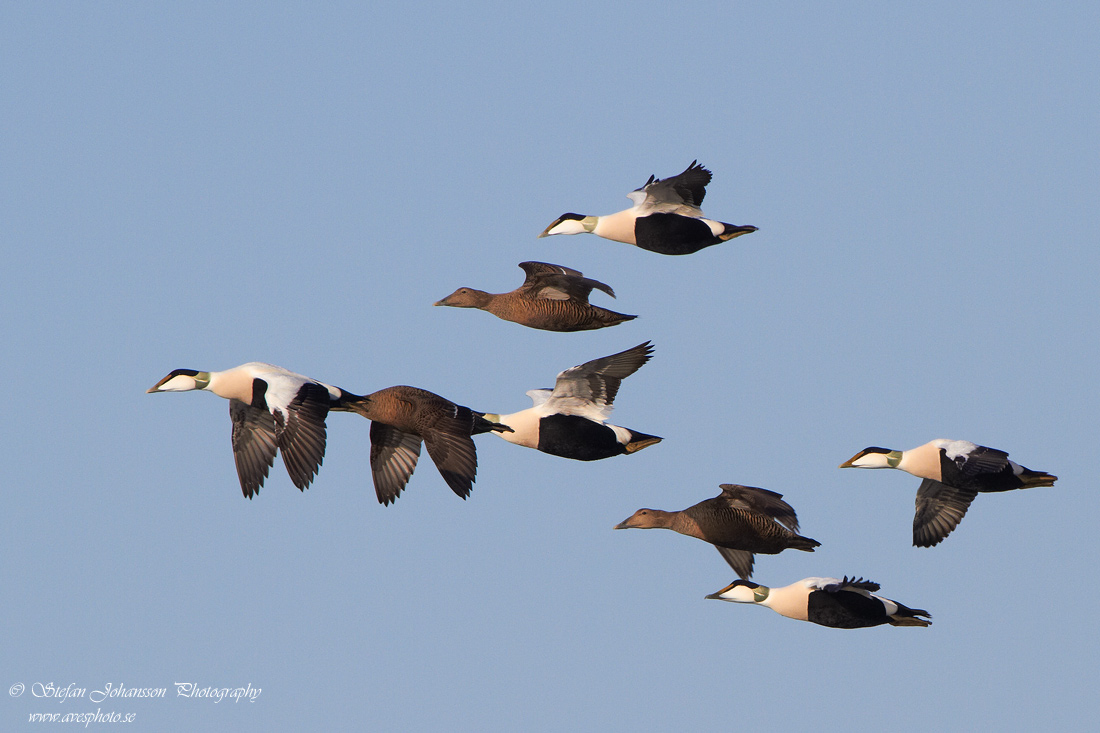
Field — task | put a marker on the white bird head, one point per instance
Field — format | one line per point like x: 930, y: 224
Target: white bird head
x: 874, y: 458
x: 181, y: 380
x: 570, y: 224
x: 741, y: 591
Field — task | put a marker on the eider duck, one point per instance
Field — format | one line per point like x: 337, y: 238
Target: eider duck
x: 665, y: 218
x: 272, y: 409
x: 838, y: 604
x: 740, y: 521
x: 403, y: 416
x: 552, y: 298
x: 954, y: 472
x: 571, y: 420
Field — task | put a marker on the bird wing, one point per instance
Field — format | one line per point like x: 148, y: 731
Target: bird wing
x: 554, y: 282
x: 535, y: 270
x: 452, y: 450
x: 740, y: 560
x: 940, y: 508
x: 981, y: 461
x: 681, y: 194
x: 854, y: 583
x: 825, y: 584
x: 254, y: 444
x: 762, y: 501
x: 301, y: 433
x: 393, y: 456
x: 590, y: 389
x: 539, y: 396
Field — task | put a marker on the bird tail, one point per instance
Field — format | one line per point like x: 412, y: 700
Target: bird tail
x: 1034, y: 479
x: 483, y: 424
x: 734, y: 231
x: 639, y: 441
x: 798, y: 542
x: 348, y: 402
x: 906, y: 616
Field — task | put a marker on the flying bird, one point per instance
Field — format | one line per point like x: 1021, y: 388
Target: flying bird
x: 272, y: 409
x: 571, y: 420
x: 401, y: 417
x: 954, y: 472
x: 839, y: 604
x: 739, y: 522
x: 665, y: 217
x: 552, y: 298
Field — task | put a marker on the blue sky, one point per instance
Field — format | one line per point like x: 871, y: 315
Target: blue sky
x: 201, y: 186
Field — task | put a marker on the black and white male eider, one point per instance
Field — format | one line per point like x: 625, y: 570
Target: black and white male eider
x: 665, y: 218
x: 740, y: 521
x: 571, y: 420
x: 954, y: 472
x: 272, y: 409
x: 838, y: 604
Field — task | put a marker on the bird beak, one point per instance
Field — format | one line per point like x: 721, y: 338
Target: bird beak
x: 848, y: 463
x: 546, y: 231
x: 156, y: 387
x: 717, y: 595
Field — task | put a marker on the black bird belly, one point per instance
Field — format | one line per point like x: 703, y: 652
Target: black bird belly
x: 672, y: 234
x: 845, y: 610
x: 572, y: 436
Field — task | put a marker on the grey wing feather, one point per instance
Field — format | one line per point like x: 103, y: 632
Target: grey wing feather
x: 597, y: 381
x: 687, y: 188
x: 254, y: 444
x: 940, y: 508
x: 740, y: 560
x: 762, y: 501
x: 393, y: 456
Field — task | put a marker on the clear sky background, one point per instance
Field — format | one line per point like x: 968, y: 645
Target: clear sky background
x: 207, y: 184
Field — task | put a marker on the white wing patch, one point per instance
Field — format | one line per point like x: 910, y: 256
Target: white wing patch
x: 955, y: 448
x: 820, y: 583
x: 539, y: 396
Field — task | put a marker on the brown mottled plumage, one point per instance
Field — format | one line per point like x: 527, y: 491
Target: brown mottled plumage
x: 403, y: 416
x: 552, y: 298
x: 740, y: 521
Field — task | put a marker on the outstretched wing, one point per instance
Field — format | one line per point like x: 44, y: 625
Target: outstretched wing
x: 393, y: 456
x: 740, y: 560
x: 254, y: 444
x: 591, y: 387
x: 682, y: 193
x: 554, y: 282
x: 455, y: 457
x: 940, y: 508
x: 302, y: 436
